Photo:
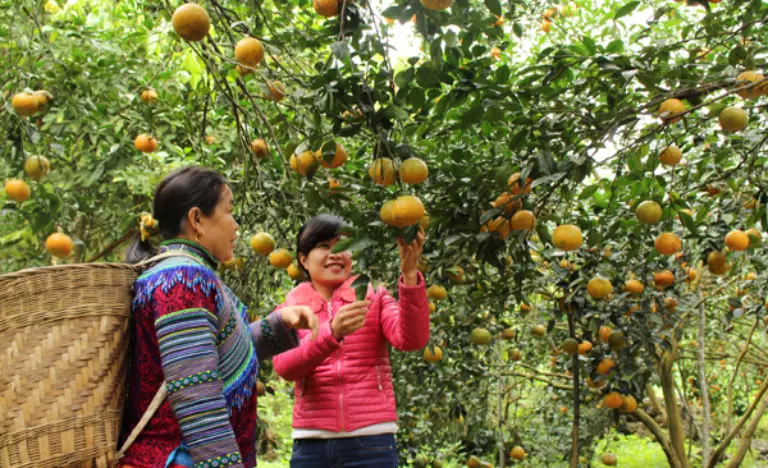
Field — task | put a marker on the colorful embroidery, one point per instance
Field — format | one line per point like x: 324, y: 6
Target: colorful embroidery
x: 225, y: 460
x: 266, y: 331
x: 200, y: 377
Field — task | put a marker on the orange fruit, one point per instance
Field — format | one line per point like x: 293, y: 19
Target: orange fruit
x: 585, y: 347
x: 191, y: 22
x: 326, y: 8
x: 149, y: 95
x: 436, y: 4
x: 515, y: 184
x: 549, y: 13
x: 567, y: 237
x: 275, y: 91
x: 432, y: 307
x: 669, y: 108
x: 303, y: 162
x: 386, y: 214
x: 525, y: 308
x: 648, y: 212
x: 210, y: 139
x: 737, y: 240
x: 613, y: 400
x: 667, y: 243
x: 25, y: 104
x: 262, y: 243
x: 717, y: 263
x: 499, y: 224
x: 746, y: 78
x: 604, y: 332
x: 36, y: 167
x: 145, y: 143
x: 634, y: 286
x: 671, y: 155
x: 599, y: 287
x: 546, y: 26
x: 538, y: 331
x: 259, y: 148
x: 495, y: 53
x: 523, y: 220
x: 605, y: 365
x: 608, y: 458
x: 690, y: 274
x: 407, y: 210
x: 570, y: 346
x: 339, y: 157
x: 663, y: 278
x: 480, y: 336
x: 517, y: 453
x: 456, y: 274
x: 433, y: 354
x: 509, y: 334
x: 437, y: 292
x: 17, y: 190
x: 280, y: 258
x: 670, y: 303
x: 515, y: 354
x: 333, y: 184
x: 413, y: 171
x: 249, y: 51
x: 733, y: 119
x: 59, y: 245
x: 42, y: 98
x: 382, y: 171
x: 507, y: 202
x: 294, y: 272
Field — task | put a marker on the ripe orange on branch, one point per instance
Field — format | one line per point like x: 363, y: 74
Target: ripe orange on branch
x: 669, y: 108
x: 567, y: 237
x: 17, y: 190
x: 737, y: 240
x: 59, y: 245
x: 667, y: 243
x: 413, y: 171
x: 145, y: 143
x: 25, y: 104
x: 191, y: 22
x: 249, y: 51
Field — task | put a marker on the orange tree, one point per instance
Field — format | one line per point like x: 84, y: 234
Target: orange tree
x: 623, y: 120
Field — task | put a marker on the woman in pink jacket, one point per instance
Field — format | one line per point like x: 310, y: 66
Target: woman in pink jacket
x: 344, y: 413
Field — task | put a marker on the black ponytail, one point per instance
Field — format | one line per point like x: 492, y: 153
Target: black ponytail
x: 140, y: 250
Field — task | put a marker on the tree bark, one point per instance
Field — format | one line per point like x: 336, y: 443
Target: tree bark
x: 661, y: 438
x: 676, y: 436
x: 729, y: 413
x: 720, y: 451
x: 746, y: 438
x: 705, y: 422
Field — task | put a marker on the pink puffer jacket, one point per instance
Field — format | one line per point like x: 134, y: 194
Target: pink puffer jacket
x: 343, y: 386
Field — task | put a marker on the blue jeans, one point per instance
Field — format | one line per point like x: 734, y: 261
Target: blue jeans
x: 377, y: 451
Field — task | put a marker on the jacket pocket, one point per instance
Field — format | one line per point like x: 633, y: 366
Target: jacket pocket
x: 378, y: 379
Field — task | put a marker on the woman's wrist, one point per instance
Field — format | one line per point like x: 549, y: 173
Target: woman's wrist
x: 411, y: 278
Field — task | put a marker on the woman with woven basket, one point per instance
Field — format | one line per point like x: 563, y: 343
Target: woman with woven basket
x: 344, y: 410
x: 192, y: 338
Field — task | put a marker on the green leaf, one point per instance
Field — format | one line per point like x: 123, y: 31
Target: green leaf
x: 517, y: 29
x: 626, y: 9
x: 361, y: 244
x: 494, y: 6
x: 687, y: 222
x: 341, y: 51
x: 342, y: 245
x: 361, y: 286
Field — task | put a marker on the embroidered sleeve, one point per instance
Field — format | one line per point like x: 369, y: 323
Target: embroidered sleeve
x: 271, y: 336
x: 185, y: 306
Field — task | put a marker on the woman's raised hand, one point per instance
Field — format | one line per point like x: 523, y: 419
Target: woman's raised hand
x: 409, y: 256
x: 300, y: 317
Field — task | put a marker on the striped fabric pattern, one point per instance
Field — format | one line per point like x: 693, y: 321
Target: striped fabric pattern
x: 208, y: 359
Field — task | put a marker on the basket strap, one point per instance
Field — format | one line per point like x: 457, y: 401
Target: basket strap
x: 153, y: 406
x: 162, y: 392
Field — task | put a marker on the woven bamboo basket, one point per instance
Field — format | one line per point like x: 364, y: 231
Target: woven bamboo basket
x: 63, y: 351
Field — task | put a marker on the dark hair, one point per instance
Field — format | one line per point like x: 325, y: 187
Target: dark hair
x: 318, y: 229
x: 179, y: 192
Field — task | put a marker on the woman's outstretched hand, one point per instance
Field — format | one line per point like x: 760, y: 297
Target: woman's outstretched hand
x: 409, y: 257
x: 300, y: 317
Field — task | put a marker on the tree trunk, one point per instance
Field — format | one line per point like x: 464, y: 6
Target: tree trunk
x: 705, y: 422
x: 720, y: 451
x: 661, y: 438
x: 676, y: 436
x: 746, y: 438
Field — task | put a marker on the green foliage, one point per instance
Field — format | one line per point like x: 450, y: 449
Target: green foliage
x: 575, y: 111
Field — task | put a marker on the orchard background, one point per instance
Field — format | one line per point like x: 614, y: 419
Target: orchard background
x: 636, y: 333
